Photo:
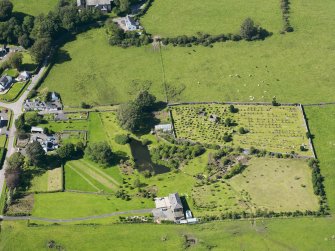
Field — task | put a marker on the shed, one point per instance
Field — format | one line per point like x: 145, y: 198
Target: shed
x: 35, y: 129
x: 164, y: 128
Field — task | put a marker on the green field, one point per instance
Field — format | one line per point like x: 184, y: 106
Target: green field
x: 96, y: 179
x: 322, y: 126
x: 278, y: 234
x: 48, y: 181
x: 282, y: 66
x: 280, y: 185
x: 277, y: 129
x: 173, y: 17
x: 34, y: 7
x: 68, y: 205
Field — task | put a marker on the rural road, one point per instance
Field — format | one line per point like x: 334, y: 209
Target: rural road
x: 14, y: 218
x: 16, y: 108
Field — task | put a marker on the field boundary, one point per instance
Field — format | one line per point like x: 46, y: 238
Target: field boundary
x: 311, y: 145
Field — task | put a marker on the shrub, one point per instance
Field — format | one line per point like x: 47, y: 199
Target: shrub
x: 122, y: 139
x: 242, y: 130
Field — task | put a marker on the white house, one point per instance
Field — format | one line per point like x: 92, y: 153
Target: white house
x: 24, y: 76
x: 5, y: 82
x: 130, y: 23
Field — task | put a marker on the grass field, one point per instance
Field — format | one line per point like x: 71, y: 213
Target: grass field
x: 281, y: 66
x: 94, y: 176
x: 34, y: 7
x: 277, y: 129
x: 280, y: 185
x: 49, y: 181
x: 322, y: 126
x: 67, y: 205
x: 277, y: 234
x: 172, y: 17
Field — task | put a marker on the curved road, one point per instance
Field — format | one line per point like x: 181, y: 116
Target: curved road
x: 16, y: 108
x: 13, y: 218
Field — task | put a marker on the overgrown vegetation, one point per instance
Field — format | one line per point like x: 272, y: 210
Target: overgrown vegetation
x: 174, y: 156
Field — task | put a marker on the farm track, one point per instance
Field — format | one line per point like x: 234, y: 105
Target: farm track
x: 16, y: 218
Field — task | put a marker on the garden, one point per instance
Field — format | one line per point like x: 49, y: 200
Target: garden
x: 272, y: 128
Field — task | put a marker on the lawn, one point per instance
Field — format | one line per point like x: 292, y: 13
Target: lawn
x: 280, y: 185
x: 59, y: 126
x: 281, y: 66
x: 173, y: 17
x: 14, y: 91
x: 48, y: 181
x: 275, y: 234
x: 66, y: 205
x: 34, y: 7
x: 277, y: 129
x: 93, y: 174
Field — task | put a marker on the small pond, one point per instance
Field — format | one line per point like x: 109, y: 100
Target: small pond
x: 143, y: 160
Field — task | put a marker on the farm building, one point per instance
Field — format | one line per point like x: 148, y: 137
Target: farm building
x: 35, y: 129
x: 164, y: 128
x: 169, y: 208
x: 103, y: 5
x: 5, y: 82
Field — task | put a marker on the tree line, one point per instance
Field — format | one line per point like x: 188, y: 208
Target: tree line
x: 285, y: 8
x: 249, y: 31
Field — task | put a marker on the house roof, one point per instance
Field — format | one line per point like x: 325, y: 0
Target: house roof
x: 175, y: 201
x: 24, y: 74
x: 98, y: 2
x: 4, y: 80
x: 36, y: 129
x: 164, y: 127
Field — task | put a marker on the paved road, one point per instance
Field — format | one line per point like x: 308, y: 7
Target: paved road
x: 16, y: 108
x: 15, y: 218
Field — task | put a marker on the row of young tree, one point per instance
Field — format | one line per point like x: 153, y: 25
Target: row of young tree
x: 41, y: 32
x: 285, y: 8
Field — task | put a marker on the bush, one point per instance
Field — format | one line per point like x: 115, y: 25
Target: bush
x: 242, y: 130
x: 122, y: 139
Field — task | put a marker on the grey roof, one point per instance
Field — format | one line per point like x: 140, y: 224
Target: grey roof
x: 97, y: 2
x: 175, y: 201
x: 5, y: 80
